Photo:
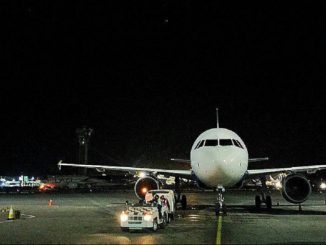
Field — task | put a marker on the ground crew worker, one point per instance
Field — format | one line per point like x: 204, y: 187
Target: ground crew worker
x: 157, y: 202
x: 154, y: 201
x: 165, y: 202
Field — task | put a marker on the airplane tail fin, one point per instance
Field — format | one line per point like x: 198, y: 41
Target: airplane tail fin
x: 217, y: 121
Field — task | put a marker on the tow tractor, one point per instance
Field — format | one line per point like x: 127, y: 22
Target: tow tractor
x: 146, y: 216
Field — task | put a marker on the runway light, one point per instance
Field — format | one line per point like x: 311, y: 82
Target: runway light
x: 323, y: 186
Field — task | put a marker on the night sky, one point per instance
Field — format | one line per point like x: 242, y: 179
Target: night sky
x: 148, y: 75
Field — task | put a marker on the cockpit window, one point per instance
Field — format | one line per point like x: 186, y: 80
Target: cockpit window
x: 225, y: 142
x: 211, y: 142
x: 201, y: 143
x: 197, y: 144
x: 236, y: 143
x: 239, y: 144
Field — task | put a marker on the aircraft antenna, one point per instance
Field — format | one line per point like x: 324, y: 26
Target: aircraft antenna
x: 217, y: 123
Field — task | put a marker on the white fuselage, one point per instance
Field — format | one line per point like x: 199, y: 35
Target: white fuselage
x: 219, y: 158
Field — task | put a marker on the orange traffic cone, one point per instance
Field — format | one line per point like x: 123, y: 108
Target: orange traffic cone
x: 50, y: 203
x: 11, y: 215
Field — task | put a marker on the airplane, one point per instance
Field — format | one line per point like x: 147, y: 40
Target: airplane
x: 219, y: 159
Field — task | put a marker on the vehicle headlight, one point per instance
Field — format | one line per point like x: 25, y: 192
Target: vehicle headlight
x: 123, y: 217
x: 323, y: 186
x: 148, y: 217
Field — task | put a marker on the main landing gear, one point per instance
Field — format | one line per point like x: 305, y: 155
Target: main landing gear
x: 263, y: 197
x: 220, y: 207
x: 180, y: 198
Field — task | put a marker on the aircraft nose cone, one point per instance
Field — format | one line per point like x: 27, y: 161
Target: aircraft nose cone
x: 228, y: 169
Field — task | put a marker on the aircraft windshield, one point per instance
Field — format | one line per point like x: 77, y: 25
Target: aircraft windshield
x: 221, y: 142
x: 200, y: 144
x: 237, y: 143
x: 225, y: 142
x: 211, y: 142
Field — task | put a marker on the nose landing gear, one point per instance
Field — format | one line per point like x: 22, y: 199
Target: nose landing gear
x: 220, y: 207
x: 180, y: 198
x: 263, y: 197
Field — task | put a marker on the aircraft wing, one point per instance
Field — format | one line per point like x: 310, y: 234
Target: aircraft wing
x: 180, y: 160
x: 299, y: 169
x: 185, y: 173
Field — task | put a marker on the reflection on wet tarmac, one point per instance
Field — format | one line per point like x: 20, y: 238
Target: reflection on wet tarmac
x: 194, y: 217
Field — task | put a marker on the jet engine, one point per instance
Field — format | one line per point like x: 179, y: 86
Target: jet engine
x: 296, y: 188
x: 145, y: 184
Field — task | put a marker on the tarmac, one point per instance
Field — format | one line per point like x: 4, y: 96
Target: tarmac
x: 93, y: 218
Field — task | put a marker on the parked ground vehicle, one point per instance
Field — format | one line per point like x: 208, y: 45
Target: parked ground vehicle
x: 145, y: 215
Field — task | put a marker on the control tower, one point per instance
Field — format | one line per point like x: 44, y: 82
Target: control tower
x: 83, y: 135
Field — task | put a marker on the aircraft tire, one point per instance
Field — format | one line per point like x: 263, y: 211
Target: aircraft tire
x: 224, y: 209
x: 268, y: 202
x: 217, y: 209
x: 184, y: 202
x: 257, y: 201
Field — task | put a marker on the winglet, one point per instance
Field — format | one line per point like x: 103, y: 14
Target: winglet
x: 59, y: 164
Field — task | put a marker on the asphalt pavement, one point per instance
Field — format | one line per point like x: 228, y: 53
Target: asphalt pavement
x: 93, y: 218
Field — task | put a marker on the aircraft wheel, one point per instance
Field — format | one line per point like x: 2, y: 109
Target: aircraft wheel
x: 224, y: 209
x: 217, y: 209
x: 184, y: 202
x: 177, y: 197
x: 268, y: 202
x: 257, y: 202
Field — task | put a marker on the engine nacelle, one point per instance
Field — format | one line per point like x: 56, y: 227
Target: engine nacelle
x: 143, y: 185
x: 296, y: 188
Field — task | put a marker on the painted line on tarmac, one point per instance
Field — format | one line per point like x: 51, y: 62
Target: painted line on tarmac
x: 6, y: 221
x: 219, y: 230
x: 28, y: 216
x: 96, y: 203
